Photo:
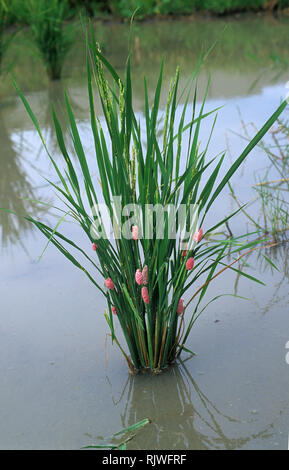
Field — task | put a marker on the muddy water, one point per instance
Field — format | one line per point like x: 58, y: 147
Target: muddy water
x: 63, y: 385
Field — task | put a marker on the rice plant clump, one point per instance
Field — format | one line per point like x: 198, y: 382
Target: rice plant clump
x: 50, y: 34
x: 147, y: 266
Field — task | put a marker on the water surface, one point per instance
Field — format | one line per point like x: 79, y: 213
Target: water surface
x: 63, y: 385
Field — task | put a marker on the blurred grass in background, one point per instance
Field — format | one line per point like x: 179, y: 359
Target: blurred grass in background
x: 125, y: 8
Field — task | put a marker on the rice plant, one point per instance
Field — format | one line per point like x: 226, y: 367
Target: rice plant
x: 272, y: 188
x: 50, y: 34
x: 145, y: 274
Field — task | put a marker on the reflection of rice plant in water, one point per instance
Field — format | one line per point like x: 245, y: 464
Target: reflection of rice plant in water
x: 145, y: 277
x: 16, y: 191
x: 182, y: 415
x: 279, y: 259
x: 55, y: 94
x: 52, y: 38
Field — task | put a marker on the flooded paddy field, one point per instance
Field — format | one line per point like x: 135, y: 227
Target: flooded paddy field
x: 63, y: 385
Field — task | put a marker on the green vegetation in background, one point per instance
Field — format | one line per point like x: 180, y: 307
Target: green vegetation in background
x: 2, y: 22
x: 125, y: 8
x: 53, y: 40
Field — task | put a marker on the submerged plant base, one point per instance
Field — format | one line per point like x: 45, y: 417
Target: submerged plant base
x: 153, y: 372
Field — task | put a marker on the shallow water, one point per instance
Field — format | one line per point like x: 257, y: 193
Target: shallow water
x: 62, y: 383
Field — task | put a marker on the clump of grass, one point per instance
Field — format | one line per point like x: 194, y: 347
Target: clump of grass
x: 271, y: 189
x: 145, y: 277
x: 274, y: 210
x: 51, y: 36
